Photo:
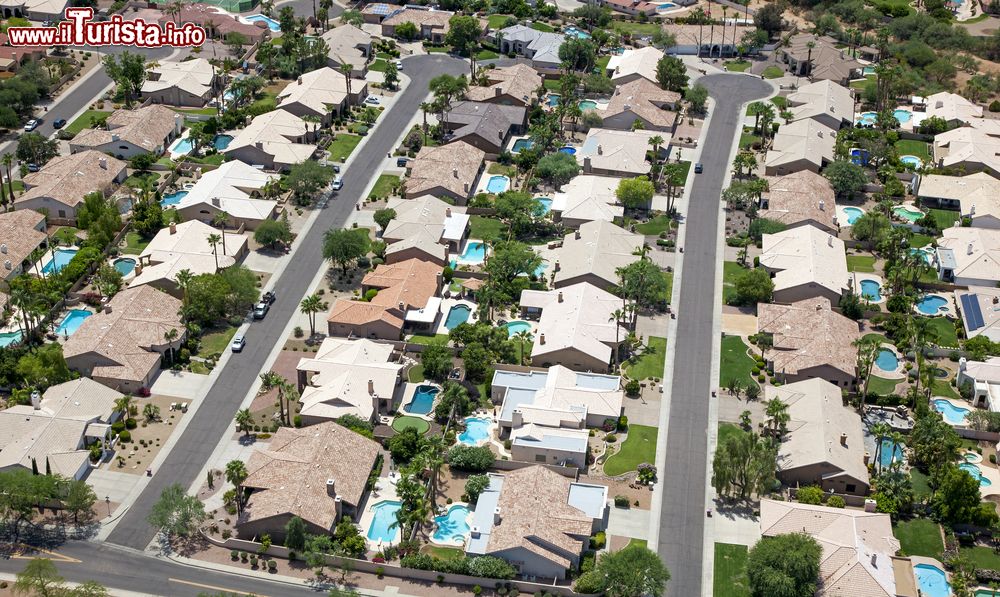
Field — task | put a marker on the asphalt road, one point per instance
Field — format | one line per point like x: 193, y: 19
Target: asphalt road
x: 214, y: 418
x: 682, y: 519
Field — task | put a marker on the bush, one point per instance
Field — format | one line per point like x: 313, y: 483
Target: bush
x: 598, y: 541
x: 995, y: 106
x: 836, y: 501
x: 125, y: 437
x: 632, y: 387
x: 622, y: 424
x: 993, y: 458
x: 272, y: 566
x: 611, y: 438
x: 810, y: 495
x: 621, y: 501
x: 234, y: 555
x: 297, y: 420
x: 589, y: 582
x: 380, y: 572
x: 476, y: 459
x: 131, y: 423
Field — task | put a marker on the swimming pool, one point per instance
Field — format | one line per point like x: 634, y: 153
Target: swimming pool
x: 384, y: 526
x: 475, y: 252
x: 902, y: 115
x: 221, y: 142
x: 545, y: 204
x: 577, y: 33
x: 172, y: 198
x: 554, y: 99
x: 423, y: 400
x: 514, y: 327
x: 887, y: 360
x: 457, y: 315
x: 588, y: 105
x: 911, y: 160
x: 8, y: 338
x: 522, y: 144
x: 953, y: 414
x: 867, y: 118
x: 859, y: 156
x: 871, y: 290
x: 909, y: 214
x: 976, y: 472
x: 60, y: 259
x: 928, y: 255
x: 931, y: 304
x: 568, y: 149
x: 665, y: 6
x: 477, y: 430
x: 853, y: 213
x: 271, y: 23
x: 182, y: 146
x: 887, y: 454
x: 868, y: 70
x: 124, y: 265
x: 932, y: 580
x: 498, y: 184
x: 72, y: 322
x: 452, y: 527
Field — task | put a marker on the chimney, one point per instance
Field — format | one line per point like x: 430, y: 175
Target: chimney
x: 299, y: 80
x: 259, y: 144
x: 401, y: 306
x: 466, y: 187
x: 541, y: 339
x: 972, y: 211
x: 497, y: 519
x: 107, y: 308
x: 576, y: 234
x: 968, y: 250
x: 173, y: 228
x: 586, y: 164
x: 103, y: 162
x: 115, y: 137
x: 331, y: 488
x: 216, y: 202
x: 874, y: 560
x: 829, y: 241
x: 371, y: 387
x: 867, y: 458
x: 36, y: 400
x: 556, y: 266
x: 7, y: 265
x: 3, y: 248
x: 560, y: 296
x: 962, y: 363
x: 822, y: 205
x: 600, y: 150
x: 843, y: 439
x: 447, y: 212
x: 454, y: 172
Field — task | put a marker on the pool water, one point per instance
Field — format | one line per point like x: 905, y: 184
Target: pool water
x: 8, y: 338
x: 931, y: 304
x: 475, y: 252
x: 452, y: 527
x: 498, y: 184
x: 384, y: 526
x: 577, y: 33
x: 665, y: 6
x: 868, y: 70
x: 125, y: 266
x: 902, y: 115
x: 476, y: 430
x: 588, y: 105
x: 545, y: 205
x: 932, y: 580
x: 871, y: 290
x: 457, y: 315
x: 953, y: 414
x: 867, y: 118
x: 568, y: 149
x: 976, y: 472
x: 182, y: 146
x: 172, y: 198
x: 911, y: 160
x: 910, y: 215
x: 221, y: 142
x: 887, y: 360
x: 554, y: 99
x: 928, y: 255
x: 853, y: 213
x: 513, y: 327
x: 887, y: 454
x: 60, y: 259
x: 423, y: 400
x: 522, y: 144
x: 72, y: 322
x: 271, y: 23
x: 859, y: 156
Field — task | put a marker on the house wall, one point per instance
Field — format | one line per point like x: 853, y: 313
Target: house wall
x: 275, y: 527
x: 540, y: 455
x: 440, y: 192
x: 175, y: 96
x: 204, y: 212
x: 590, y: 278
x: 974, y: 282
x: 123, y: 150
x: 623, y: 122
x: 791, y: 168
x: 572, y: 358
x: 253, y: 156
x: 813, y: 475
x: 986, y: 221
x: 375, y: 329
x: 806, y: 291
x: 412, y: 253
x: 532, y: 564
x: 491, y: 148
x: 57, y: 210
x: 827, y: 372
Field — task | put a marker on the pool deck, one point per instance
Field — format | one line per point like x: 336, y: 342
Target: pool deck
x: 842, y: 215
x: 899, y: 373
x: 858, y: 277
x: 947, y: 310
x: 128, y: 277
x: 453, y: 542
x: 408, y: 392
x: 493, y: 430
x: 457, y: 257
x: 385, y: 491
x: 177, y: 154
x: 447, y: 304
x: 38, y: 267
x: 901, y: 221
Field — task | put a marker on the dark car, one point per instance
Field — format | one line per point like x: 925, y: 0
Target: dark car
x: 33, y: 168
x: 260, y: 310
x: 336, y: 169
x: 698, y: 168
x: 268, y: 297
x: 401, y: 162
x: 59, y: 123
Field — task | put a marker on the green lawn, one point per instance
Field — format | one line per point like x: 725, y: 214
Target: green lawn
x: 342, y: 146
x: 944, y: 330
x: 197, y: 111
x: 862, y: 83
x: 438, y: 49
x: 736, y: 363
x: 639, y: 447
x: 919, y: 537
x: 66, y: 235
x: 650, y: 364
x: 945, y: 218
x: 378, y: 65
x: 921, y: 484
x: 655, y: 225
x: 728, y: 430
x: 669, y: 277
x: 415, y: 374
x: 748, y: 139
x: 442, y: 553
x: 483, y: 227
x: 508, y: 171
x: 861, y: 263
x: 920, y: 240
x: 913, y: 147
x: 486, y: 55
x: 730, y: 270
x: 637, y: 29
x: 882, y: 386
x: 551, y: 84
x: 942, y: 387
x: 83, y: 122
x: 730, y: 571
x: 134, y: 244
x: 214, y: 343
x: 497, y: 21
x: 983, y: 557
x: 384, y: 185
x: 216, y: 159
x: 634, y: 541
x: 426, y: 338
x: 602, y: 63
x: 773, y: 72
x: 401, y: 423
x: 137, y: 179
x: 879, y: 337
x: 780, y: 101
x: 545, y: 27
x: 737, y: 66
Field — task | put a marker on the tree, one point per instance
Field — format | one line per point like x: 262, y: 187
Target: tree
x: 811, y: 494
x: 407, y: 31
x: 343, y: 247
x: 40, y: 578
x: 295, y: 534
x: 383, y: 216
x: 352, y: 17
x: 44, y: 367
x: 452, y: 402
x: 578, y: 54
x: 463, y: 35
x: 128, y: 71
x: 777, y: 416
x: 846, y: 178
x: 244, y: 421
x: 697, y: 96
x: 631, y: 571
x: 107, y: 280
x: 744, y: 465
x: 956, y: 495
x: 147, y: 217
x: 436, y: 360
x: 390, y: 76
x: 271, y: 232
x: 769, y: 19
x: 934, y: 442
x: 642, y: 282
x: 784, y: 566
x: 475, y: 485
x: 557, y: 168
x: 404, y: 445
x: 236, y: 473
x: 79, y: 500
x: 476, y: 459
x: 871, y: 228
x: 100, y: 217
x: 671, y: 74
x: 36, y: 149
x: 307, y: 179
x: 753, y: 286
x: 272, y: 381
x: 311, y: 305
x: 150, y: 412
x: 177, y: 513
x: 635, y: 193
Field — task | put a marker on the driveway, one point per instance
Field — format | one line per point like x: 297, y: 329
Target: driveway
x: 682, y: 517
x: 179, y: 384
x: 215, y: 416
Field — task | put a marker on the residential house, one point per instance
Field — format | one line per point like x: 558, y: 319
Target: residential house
x: 59, y: 187
x: 631, y: 7
x: 587, y: 198
x: 424, y: 227
x: 347, y: 377
x: 976, y: 196
x: 186, y: 246
x: 801, y: 145
x: 819, y: 58
x: 450, y: 170
x: 276, y: 140
x: 969, y: 256
x: 121, y: 345
x: 51, y: 434
x: 234, y: 188
x: 984, y: 376
x: 537, y: 520
x: 973, y: 148
x: 710, y: 41
x: 576, y: 327
x: 407, y: 296
x: 824, y: 101
x: 806, y: 262
x: 431, y: 24
x: 515, y: 85
x: 348, y: 45
x: 484, y: 126
x: 150, y: 129
x: 858, y: 548
x: 13, y: 57
x: 593, y: 254
x: 217, y: 23
x: 809, y: 339
x: 555, y: 397
x: 634, y: 64
x: 952, y: 108
x: 643, y: 101
x: 190, y: 83
x: 21, y: 233
x: 803, y: 198
x: 321, y: 94
x: 36, y: 10
x: 824, y: 445
x: 377, y: 12
x: 319, y: 474
x: 616, y: 153
x: 541, y: 47
x: 979, y: 309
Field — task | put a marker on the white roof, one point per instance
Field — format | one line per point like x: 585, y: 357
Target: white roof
x: 976, y: 252
x: 978, y: 194
x: 439, y: 219
x: 558, y: 396
x: 622, y: 152
x: 341, y: 371
x: 952, y: 107
x: 598, y: 248
x: 193, y: 76
x: 589, y: 197
x: 640, y: 62
x: 575, y: 317
x: 229, y: 188
x: 801, y: 140
x: 822, y: 98
x: 980, y: 310
x: 806, y: 255
x: 316, y: 90
x: 187, y: 247
x: 976, y: 146
x: 277, y: 133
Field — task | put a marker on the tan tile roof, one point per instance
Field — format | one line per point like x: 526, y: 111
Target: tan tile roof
x: 19, y: 236
x: 519, y: 81
x: 341, y: 371
x: 435, y: 19
x: 690, y: 34
x: 803, y: 196
x: 640, y: 62
x: 534, y: 514
x: 68, y: 178
x: 278, y: 134
x: 412, y: 282
x: 952, y: 107
x: 599, y: 248
x: 806, y: 256
x: 186, y: 247
x: 317, y: 90
x: 345, y: 43
x: 575, y: 317
x: 804, y: 139
x: 426, y: 214
x: 143, y: 127
x: 454, y: 167
x: 977, y: 147
x: 645, y: 99
x: 619, y: 152
x: 808, y: 334
x: 822, y: 99
x: 193, y: 76
x: 829, y: 62
x: 289, y: 475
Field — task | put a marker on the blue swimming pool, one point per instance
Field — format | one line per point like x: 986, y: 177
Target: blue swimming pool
x: 859, y: 156
x: 457, y: 315
x: 568, y: 149
x: 513, y: 327
x: 887, y: 360
x: 8, y: 338
x: 902, y: 115
x: 384, y: 526
x: 60, y: 259
x: 545, y: 205
x: 932, y: 580
x: 498, y: 184
x: 868, y: 70
x: 475, y: 252
x: 182, y: 146
x: 853, y: 213
x: 577, y: 33
x: 172, y: 198
x: 522, y: 144
x: 553, y: 99
x: 911, y: 160
x: 124, y: 265
x: 871, y: 290
x: 271, y: 23
x: 867, y: 118
x: 665, y: 6
x: 976, y: 472
x: 931, y: 304
x: 452, y: 527
x: 72, y: 322
x: 588, y: 105
x: 423, y: 400
x: 221, y: 142
x: 951, y: 413
x: 476, y: 430
x: 928, y: 255
x: 887, y: 454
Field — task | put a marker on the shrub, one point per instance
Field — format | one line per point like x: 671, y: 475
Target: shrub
x: 632, y: 387
x: 477, y: 590
x: 380, y: 572
x: 993, y: 458
x: 995, y: 106
x: 440, y: 579
x: 476, y: 459
x: 272, y: 566
x: 297, y: 420
x: 622, y: 424
x: 611, y: 438
x: 810, y: 495
x: 234, y: 555
x: 836, y: 501
x: 243, y: 557
x: 589, y: 582
x: 621, y: 501
x: 131, y: 423
x: 598, y: 541
x: 299, y: 332
x: 125, y: 437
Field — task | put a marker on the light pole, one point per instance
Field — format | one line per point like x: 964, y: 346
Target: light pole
x: 107, y: 500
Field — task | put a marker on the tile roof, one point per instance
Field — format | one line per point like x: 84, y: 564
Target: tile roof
x: 491, y: 122
x: 599, y: 248
x: 454, y: 167
x: 640, y: 62
x: 806, y: 255
x: 518, y: 81
x: 341, y: 372
x: 426, y: 214
x: 145, y: 127
x: 976, y: 146
x: 186, y: 246
x: 802, y: 196
x: 808, y: 334
x: 434, y: 19
x: 193, y: 76
x: 589, y: 197
x: 976, y: 252
x: 575, y: 317
x: 952, y: 107
x: 558, y: 396
x: 316, y: 90
x: 804, y: 139
x: 232, y: 187
x: 979, y: 192
x: 822, y: 98
x: 622, y: 152
x: 645, y: 99
x: 67, y: 178
x: 19, y: 236
x: 829, y: 62
x: 277, y: 134
x: 411, y: 283
x: 345, y: 44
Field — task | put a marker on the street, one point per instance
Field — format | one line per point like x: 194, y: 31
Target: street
x: 682, y: 517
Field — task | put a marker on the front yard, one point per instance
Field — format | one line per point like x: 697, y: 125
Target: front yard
x: 730, y: 571
x: 650, y: 363
x: 730, y: 271
x: 736, y: 363
x: 384, y: 186
x: 214, y: 343
x: 342, y: 146
x: 639, y: 447
x: 85, y: 120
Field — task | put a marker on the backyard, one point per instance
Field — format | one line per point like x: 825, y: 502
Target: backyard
x: 481, y: 227
x: 913, y: 147
x: 861, y: 263
x: 736, y: 363
x: 639, y: 447
x: 919, y: 537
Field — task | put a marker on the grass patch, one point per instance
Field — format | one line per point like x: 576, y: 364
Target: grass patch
x: 442, y: 553
x: 639, y: 542
x: 18, y: 186
x: 737, y: 66
x: 636, y: 29
x: 863, y: 83
x: 378, y: 65
x: 730, y: 270
x: 736, y: 363
x: 343, y: 146
x: 496, y: 168
x: 913, y: 147
x: 401, y: 423
x: 138, y: 179
x: 882, y: 386
x: 551, y: 84
x: 669, y: 277
x: 639, y: 447
x: 650, y: 364
x: 919, y: 240
x: 215, y: 342
x: 919, y: 537
x: 134, y: 243
x: 66, y: 235
x: 545, y: 27
x: 730, y: 571
x: 85, y: 120
x: 975, y: 19
x: 497, y: 21
x: 415, y: 374
x: 216, y: 159
x: 728, y: 430
x: 426, y: 338
x: 482, y: 227
x: 773, y: 72
x: 748, y: 139
x: 602, y: 63
x: 945, y: 218
x: 197, y: 111
x: 861, y: 263
x: 942, y: 387
x: 944, y: 331
x: 385, y: 184
x: 438, y: 49
x: 780, y: 101
x: 982, y: 557
x: 486, y: 55
x: 921, y: 484
x: 655, y: 226
x: 879, y: 337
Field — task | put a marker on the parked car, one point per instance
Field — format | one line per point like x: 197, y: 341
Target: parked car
x: 32, y: 124
x: 698, y: 168
x: 336, y: 169
x: 238, y: 343
x: 401, y: 162
x: 260, y: 309
x: 268, y: 297
x: 33, y: 168
x: 399, y: 64
x: 59, y: 123
x: 338, y: 183
x: 371, y: 99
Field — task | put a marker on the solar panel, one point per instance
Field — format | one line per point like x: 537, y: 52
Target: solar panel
x: 973, y: 314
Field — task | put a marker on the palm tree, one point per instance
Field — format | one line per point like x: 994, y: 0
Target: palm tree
x: 921, y: 334
x: 236, y: 473
x: 809, y: 58
x: 174, y: 9
x: 220, y: 219
x: 170, y: 336
x: 656, y: 141
x: 214, y: 239
x: 879, y: 431
x: 868, y: 348
x: 124, y: 405
x: 895, y: 439
x: 522, y: 337
x: 244, y: 421
x: 183, y: 279
x: 271, y: 381
x: 347, y: 69
x: 616, y: 316
x: 777, y: 416
x: 426, y: 107
x: 311, y: 305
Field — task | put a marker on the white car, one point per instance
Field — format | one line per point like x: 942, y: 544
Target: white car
x: 238, y: 343
x: 399, y: 64
x: 338, y: 183
x: 371, y: 99
x: 31, y: 125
